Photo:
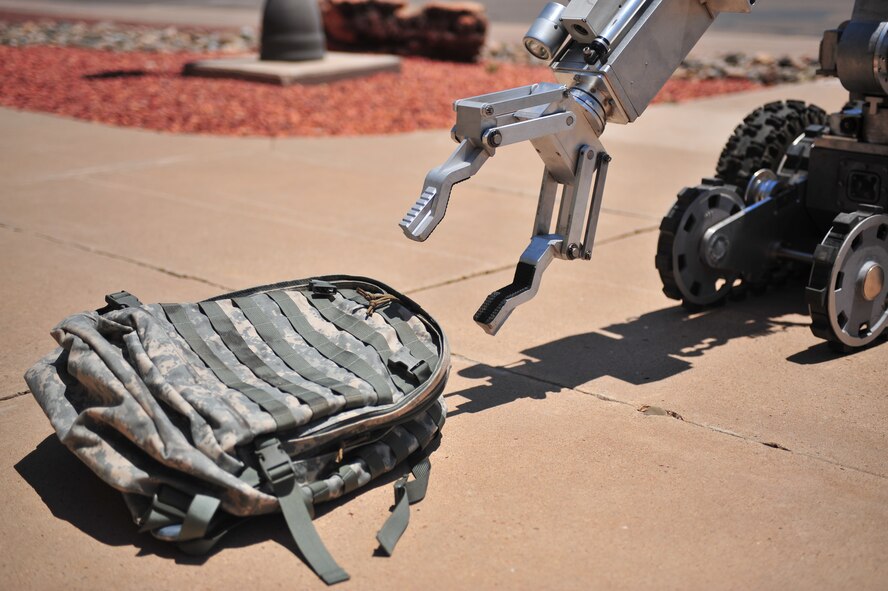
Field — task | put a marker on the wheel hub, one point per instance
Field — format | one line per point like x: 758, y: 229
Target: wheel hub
x: 872, y: 281
x: 857, y: 300
x: 695, y: 260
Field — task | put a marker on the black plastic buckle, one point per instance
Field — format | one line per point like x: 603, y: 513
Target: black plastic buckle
x: 322, y: 287
x: 118, y: 301
x: 275, y: 463
x: 418, y: 368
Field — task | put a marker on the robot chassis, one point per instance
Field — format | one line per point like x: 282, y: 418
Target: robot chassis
x: 793, y: 186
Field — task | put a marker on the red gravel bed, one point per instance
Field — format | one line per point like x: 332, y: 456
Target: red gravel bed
x: 147, y: 90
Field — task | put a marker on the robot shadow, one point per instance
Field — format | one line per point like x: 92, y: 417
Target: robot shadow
x: 642, y: 350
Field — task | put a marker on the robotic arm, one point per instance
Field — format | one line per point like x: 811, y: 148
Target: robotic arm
x: 611, y: 58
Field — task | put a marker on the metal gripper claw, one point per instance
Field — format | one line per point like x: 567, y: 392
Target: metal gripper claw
x: 610, y: 58
x: 569, y: 242
x: 563, y: 126
x: 429, y: 209
x: 496, y: 309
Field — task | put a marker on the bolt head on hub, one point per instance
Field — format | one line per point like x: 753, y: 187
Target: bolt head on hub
x: 717, y: 250
x: 872, y: 281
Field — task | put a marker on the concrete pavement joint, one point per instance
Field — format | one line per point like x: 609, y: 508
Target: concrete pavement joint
x: 493, y: 270
x: 631, y: 214
x: 529, y: 195
x: 272, y: 217
x: 132, y: 165
x: 705, y: 426
x: 506, y: 370
x: 625, y: 235
x: 447, y: 282
x: 114, y: 256
x: 16, y: 395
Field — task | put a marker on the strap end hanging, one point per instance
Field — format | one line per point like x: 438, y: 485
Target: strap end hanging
x: 406, y: 493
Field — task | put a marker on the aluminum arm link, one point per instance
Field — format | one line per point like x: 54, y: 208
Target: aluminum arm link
x: 611, y: 58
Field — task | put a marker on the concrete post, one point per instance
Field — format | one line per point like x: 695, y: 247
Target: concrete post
x: 292, y: 31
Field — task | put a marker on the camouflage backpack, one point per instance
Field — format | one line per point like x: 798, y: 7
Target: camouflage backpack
x: 269, y: 399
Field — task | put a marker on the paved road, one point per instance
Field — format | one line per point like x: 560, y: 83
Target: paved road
x: 781, y: 17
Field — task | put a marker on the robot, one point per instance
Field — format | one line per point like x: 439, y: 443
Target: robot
x: 793, y: 186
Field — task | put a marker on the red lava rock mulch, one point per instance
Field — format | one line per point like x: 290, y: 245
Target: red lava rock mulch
x: 147, y: 90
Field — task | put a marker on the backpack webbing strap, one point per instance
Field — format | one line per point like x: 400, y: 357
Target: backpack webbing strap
x: 407, y: 336
x: 193, y: 513
x: 274, y: 339
x: 330, y: 350
x: 201, y: 546
x: 397, y: 440
x: 278, y: 471
x: 281, y: 414
x: 200, y: 512
x: 235, y: 342
x: 409, y: 339
x: 320, y: 492
x: 406, y: 493
x: 349, y: 479
x: 364, y: 332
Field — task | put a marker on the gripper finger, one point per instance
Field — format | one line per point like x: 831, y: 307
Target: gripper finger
x: 496, y: 309
x: 429, y: 209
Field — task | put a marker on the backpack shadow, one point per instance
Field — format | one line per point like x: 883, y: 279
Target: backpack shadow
x: 72, y: 493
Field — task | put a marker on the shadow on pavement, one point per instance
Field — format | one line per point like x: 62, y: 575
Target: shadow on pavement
x: 650, y: 348
x: 74, y: 494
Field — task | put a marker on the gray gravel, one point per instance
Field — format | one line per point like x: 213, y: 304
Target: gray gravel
x: 760, y: 67
x: 117, y: 37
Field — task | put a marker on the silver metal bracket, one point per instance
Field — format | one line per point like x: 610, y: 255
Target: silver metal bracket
x: 563, y: 127
x: 573, y: 223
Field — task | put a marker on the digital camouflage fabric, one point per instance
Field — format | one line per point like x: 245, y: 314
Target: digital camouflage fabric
x: 185, y: 408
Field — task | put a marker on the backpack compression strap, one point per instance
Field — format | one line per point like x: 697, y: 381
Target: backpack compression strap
x: 278, y: 471
x: 406, y: 493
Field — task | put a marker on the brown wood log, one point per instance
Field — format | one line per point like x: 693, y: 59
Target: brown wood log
x: 447, y: 31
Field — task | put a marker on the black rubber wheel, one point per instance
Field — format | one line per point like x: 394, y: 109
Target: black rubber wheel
x: 763, y: 138
x: 842, y: 311
x: 685, y: 275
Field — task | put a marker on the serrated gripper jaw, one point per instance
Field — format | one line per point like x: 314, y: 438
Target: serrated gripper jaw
x: 419, y: 223
x: 429, y: 209
x: 500, y: 304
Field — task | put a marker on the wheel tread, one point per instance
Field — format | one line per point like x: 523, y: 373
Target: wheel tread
x: 763, y: 137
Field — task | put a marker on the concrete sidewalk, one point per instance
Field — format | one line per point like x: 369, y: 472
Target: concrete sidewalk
x: 548, y: 476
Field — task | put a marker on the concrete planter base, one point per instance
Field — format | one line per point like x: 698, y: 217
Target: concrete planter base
x: 332, y: 67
